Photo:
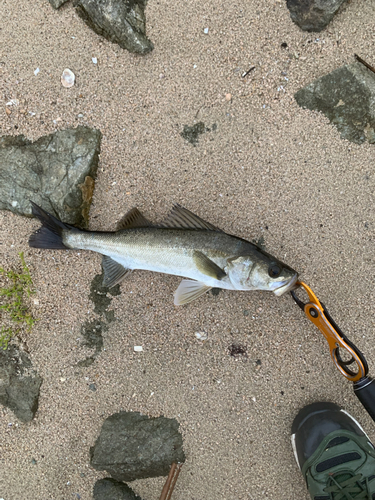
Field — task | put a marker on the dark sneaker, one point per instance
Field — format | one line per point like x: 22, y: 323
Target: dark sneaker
x: 334, y: 454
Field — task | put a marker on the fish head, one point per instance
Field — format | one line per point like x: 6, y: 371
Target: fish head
x: 261, y: 271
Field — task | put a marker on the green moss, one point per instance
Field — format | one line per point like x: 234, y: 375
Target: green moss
x: 12, y: 302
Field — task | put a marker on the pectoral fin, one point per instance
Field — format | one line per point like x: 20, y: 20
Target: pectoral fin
x: 188, y: 291
x: 208, y: 266
x: 113, y: 272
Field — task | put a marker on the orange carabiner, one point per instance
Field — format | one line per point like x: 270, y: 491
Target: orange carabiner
x: 318, y: 314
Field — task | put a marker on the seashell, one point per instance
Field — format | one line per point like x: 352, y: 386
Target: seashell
x: 201, y: 336
x: 67, y: 78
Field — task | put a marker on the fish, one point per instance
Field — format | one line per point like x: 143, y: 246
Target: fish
x: 182, y: 245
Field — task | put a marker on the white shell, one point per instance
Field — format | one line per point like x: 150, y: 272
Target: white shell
x: 201, y: 336
x: 67, y: 78
x: 138, y: 348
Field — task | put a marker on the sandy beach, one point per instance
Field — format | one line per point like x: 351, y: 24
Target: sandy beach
x: 266, y: 170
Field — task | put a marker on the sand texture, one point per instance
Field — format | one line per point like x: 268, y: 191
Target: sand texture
x: 265, y: 170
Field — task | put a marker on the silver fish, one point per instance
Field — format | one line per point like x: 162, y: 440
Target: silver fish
x: 183, y: 245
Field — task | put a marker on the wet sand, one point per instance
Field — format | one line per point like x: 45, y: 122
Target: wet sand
x: 270, y: 170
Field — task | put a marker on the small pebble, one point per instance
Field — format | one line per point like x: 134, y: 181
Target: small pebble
x: 80, y: 115
x: 228, y: 97
x: 246, y: 312
x: 205, y: 31
x: 201, y: 335
x: 67, y: 78
x: 138, y: 348
x: 8, y: 111
x: 94, y: 60
x: 62, y: 379
x: 33, y: 461
x: 92, y: 387
x: 36, y: 71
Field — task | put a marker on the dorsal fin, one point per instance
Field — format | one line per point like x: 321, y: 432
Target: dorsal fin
x: 133, y: 219
x: 180, y: 217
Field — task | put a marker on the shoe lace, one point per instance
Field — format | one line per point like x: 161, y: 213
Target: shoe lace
x: 348, y: 487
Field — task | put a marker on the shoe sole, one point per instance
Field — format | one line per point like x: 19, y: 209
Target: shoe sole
x: 312, y: 409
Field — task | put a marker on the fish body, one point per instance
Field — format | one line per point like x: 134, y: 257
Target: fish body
x: 184, y: 245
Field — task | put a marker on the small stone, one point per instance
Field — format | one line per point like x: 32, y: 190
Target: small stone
x: 8, y: 111
x: 138, y: 348
x: 134, y: 446
x: 228, y: 97
x: 92, y: 387
x: 36, y: 71
x: 205, y: 31
x: 62, y: 379
x: 64, y: 163
x: 201, y: 336
x: 119, y: 21
x: 57, y: 3
x: 246, y: 312
x: 13, y: 102
x: 20, y: 386
x: 67, y: 78
x: 108, y: 488
x: 94, y: 60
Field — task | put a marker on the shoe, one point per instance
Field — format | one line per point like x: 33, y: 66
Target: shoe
x: 334, y: 454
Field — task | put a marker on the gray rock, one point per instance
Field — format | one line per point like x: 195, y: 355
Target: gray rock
x: 120, y: 21
x: 133, y: 446
x: 347, y: 97
x: 57, y: 3
x: 19, y: 383
x: 313, y: 15
x: 109, y: 489
x: 57, y: 172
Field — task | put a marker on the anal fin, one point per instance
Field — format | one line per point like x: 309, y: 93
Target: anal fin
x: 188, y: 291
x: 113, y: 272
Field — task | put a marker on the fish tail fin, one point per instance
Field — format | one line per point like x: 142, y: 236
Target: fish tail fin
x: 50, y: 235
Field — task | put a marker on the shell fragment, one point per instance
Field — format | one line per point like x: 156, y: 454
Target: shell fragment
x: 68, y: 78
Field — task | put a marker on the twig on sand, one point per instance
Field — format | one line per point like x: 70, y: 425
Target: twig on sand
x: 170, y: 482
x: 364, y: 63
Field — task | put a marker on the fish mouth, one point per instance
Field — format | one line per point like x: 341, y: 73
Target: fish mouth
x: 291, y: 285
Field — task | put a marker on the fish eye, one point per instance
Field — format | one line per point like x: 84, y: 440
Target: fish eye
x: 274, y: 270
